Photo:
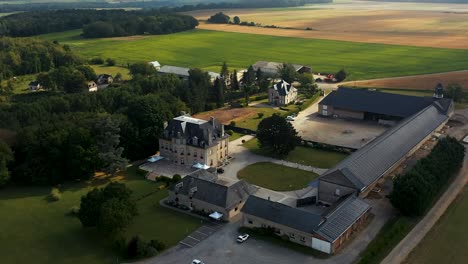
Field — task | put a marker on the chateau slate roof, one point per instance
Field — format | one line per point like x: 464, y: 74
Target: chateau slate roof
x: 283, y: 88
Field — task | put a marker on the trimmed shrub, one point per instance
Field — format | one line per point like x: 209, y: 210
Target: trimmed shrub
x: 158, y: 245
x: 110, y: 62
x: 176, y: 178
x: 230, y: 132
x: 233, y: 123
x: 260, y: 115
x: 96, y: 61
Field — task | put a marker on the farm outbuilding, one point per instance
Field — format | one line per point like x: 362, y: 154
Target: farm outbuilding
x: 386, y: 108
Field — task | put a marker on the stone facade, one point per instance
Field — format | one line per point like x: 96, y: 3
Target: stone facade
x: 187, y: 141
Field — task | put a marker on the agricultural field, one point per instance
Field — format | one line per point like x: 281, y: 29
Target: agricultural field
x: 35, y: 230
x: 208, y: 49
x: 420, y: 82
x: 413, y: 24
x: 447, y: 242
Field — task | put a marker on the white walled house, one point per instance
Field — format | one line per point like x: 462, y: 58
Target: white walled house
x: 282, y: 93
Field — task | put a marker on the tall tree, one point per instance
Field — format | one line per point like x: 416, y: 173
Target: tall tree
x: 219, y: 87
x: 277, y: 135
x: 198, y: 84
x: 237, y: 20
x: 234, y: 81
x: 224, y: 71
x: 108, y: 139
x: 249, y: 76
x: 6, y: 156
x: 455, y: 91
x: 287, y: 72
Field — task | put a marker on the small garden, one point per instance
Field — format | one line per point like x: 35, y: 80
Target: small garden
x: 276, y: 177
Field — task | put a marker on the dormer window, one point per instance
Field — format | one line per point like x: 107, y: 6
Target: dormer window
x: 195, y: 140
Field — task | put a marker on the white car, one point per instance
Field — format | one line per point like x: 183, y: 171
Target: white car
x: 242, y: 238
x: 196, y: 261
x: 290, y: 118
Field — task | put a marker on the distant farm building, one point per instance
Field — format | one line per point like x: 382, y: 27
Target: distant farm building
x: 92, y: 86
x: 271, y: 68
x: 34, y: 86
x: 156, y: 65
x: 183, y: 73
x: 386, y: 108
x: 282, y: 93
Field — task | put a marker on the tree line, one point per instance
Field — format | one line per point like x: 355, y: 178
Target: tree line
x: 173, y: 5
x: 28, y: 56
x: 414, y: 192
x: 96, y: 23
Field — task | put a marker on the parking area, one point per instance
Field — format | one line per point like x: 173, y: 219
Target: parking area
x: 346, y: 133
x: 165, y: 168
x: 201, y: 234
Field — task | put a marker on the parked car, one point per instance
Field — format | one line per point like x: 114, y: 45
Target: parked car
x: 196, y: 261
x: 290, y: 118
x: 220, y: 170
x: 242, y: 238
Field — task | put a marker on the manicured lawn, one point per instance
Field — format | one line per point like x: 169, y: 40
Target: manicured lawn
x: 208, y: 49
x: 252, y: 122
x: 36, y: 231
x: 276, y: 177
x: 447, y: 242
x: 303, y: 155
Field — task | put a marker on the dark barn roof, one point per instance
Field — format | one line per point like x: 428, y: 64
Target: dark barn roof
x: 369, y: 163
x: 215, y: 193
x: 377, y: 102
x: 282, y: 214
x: 342, y: 218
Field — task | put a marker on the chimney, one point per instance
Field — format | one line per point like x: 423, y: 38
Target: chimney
x: 222, y: 130
x: 165, y: 124
x: 212, y: 121
x: 210, y: 137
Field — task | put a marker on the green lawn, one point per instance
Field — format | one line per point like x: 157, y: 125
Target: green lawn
x: 235, y: 136
x: 303, y: 155
x: 208, y: 49
x: 36, y: 231
x: 112, y: 70
x: 21, y: 84
x: 447, y: 242
x: 276, y: 177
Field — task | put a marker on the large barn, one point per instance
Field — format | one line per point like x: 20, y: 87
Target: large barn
x: 386, y: 108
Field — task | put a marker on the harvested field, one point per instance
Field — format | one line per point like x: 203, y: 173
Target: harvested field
x: 369, y: 22
x: 419, y: 82
x: 226, y: 115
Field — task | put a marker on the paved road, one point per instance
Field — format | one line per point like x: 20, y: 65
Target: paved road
x: 404, y: 248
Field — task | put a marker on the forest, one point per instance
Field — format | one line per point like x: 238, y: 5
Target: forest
x: 96, y: 23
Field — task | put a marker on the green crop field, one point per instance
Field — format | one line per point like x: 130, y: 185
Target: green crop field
x: 208, y: 49
x: 447, y: 242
